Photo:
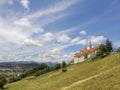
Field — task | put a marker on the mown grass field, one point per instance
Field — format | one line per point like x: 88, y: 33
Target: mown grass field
x: 103, y: 74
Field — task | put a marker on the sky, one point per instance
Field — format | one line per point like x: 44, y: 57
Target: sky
x: 53, y: 30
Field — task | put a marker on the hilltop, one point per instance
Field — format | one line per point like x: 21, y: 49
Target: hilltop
x: 101, y: 74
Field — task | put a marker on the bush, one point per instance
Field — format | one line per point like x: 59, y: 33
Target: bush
x: 57, y: 66
x: 14, y: 79
x: 34, y: 70
x: 40, y: 72
x: 118, y: 50
x: 64, y: 69
x: 2, y: 80
x: 95, y: 58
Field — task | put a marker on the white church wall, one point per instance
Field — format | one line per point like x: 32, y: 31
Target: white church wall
x: 81, y: 59
x: 76, y: 60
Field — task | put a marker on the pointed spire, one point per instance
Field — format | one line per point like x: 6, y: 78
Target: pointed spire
x: 90, y: 44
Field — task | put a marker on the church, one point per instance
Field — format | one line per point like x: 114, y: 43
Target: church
x: 85, y: 54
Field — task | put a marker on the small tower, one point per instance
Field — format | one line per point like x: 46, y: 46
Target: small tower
x: 90, y: 44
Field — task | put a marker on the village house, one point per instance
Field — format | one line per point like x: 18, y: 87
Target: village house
x: 84, y: 54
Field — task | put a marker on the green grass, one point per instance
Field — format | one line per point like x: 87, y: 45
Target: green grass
x: 58, y: 80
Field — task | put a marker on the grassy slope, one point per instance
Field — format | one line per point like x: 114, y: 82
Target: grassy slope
x: 58, y: 80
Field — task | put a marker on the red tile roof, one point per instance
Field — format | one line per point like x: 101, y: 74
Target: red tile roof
x: 85, y: 51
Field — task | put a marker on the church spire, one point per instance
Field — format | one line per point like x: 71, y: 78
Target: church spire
x: 90, y: 44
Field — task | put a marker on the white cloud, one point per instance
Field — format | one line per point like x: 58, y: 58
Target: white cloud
x: 15, y: 35
x: 83, y: 32
x: 83, y: 42
x: 12, y: 36
x: 43, y: 45
x: 39, y: 30
x: 63, y: 38
x: 58, y: 7
x: 49, y: 19
x: 70, y: 56
x: 48, y: 36
x: 22, y: 22
x: 25, y: 3
x: 75, y: 40
x: 25, y: 37
x: 55, y: 51
x: 32, y: 43
x: 29, y: 38
x: 97, y: 39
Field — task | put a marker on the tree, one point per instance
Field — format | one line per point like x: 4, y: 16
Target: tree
x: 57, y: 66
x: 2, y: 80
x: 118, y: 50
x: 64, y: 66
x: 14, y: 79
x: 102, y: 51
x: 42, y: 66
x: 108, y: 44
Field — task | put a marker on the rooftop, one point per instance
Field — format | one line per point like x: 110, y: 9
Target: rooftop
x: 85, y: 51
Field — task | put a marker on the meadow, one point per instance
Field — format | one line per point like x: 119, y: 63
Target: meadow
x: 102, y: 74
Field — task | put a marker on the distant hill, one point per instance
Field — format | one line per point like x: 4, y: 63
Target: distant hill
x: 102, y: 74
x: 50, y: 63
x: 22, y: 64
x: 19, y: 62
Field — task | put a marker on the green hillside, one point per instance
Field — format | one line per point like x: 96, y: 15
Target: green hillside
x: 101, y: 74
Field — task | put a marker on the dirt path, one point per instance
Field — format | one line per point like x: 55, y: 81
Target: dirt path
x: 89, y: 78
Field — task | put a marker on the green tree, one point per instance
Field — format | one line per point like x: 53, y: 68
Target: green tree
x: 14, y: 79
x: 57, y: 66
x: 108, y: 44
x: 118, y: 50
x: 102, y: 51
x: 2, y: 80
x: 64, y: 66
x: 42, y: 66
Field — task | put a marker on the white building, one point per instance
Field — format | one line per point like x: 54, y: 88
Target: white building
x: 84, y: 54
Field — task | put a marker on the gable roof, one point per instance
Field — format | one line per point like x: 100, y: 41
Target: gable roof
x: 86, y: 51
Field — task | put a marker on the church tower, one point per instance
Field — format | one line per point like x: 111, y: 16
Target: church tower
x: 90, y: 44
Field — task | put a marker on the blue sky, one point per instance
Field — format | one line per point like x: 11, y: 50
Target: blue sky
x: 53, y: 30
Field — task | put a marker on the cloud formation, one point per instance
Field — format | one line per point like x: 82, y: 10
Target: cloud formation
x: 83, y: 32
x: 31, y: 37
x: 97, y: 39
x: 25, y: 4
x: 23, y: 22
x: 63, y: 38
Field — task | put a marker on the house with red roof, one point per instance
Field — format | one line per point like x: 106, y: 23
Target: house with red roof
x: 85, y: 54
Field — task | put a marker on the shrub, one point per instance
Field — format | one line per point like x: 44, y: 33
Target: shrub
x: 57, y: 66
x: 118, y: 50
x: 64, y: 69
x: 2, y: 80
x: 14, y: 79
x: 40, y: 72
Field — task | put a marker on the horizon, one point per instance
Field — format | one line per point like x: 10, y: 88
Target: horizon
x: 53, y: 30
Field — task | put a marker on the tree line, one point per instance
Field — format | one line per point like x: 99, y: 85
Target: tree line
x: 35, y: 71
x: 39, y: 70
